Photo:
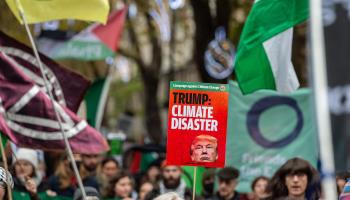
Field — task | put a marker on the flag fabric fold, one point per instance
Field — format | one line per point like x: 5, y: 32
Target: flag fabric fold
x: 27, y: 116
x: 41, y: 11
x: 97, y: 42
x: 67, y: 86
x: 96, y: 98
x: 263, y: 58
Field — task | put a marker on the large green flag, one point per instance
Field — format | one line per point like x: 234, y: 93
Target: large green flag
x: 267, y: 128
x: 263, y: 58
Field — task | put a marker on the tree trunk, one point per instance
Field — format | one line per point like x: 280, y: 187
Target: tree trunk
x: 205, y: 30
x: 152, y: 112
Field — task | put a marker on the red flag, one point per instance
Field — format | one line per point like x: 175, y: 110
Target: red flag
x: 110, y: 33
x: 28, y: 119
x: 67, y: 87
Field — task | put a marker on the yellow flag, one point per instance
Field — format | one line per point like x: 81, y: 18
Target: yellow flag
x: 46, y: 10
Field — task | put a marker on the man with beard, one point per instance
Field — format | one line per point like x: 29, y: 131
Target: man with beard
x: 227, y: 184
x: 171, y: 181
x: 88, y: 168
x: 204, y: 148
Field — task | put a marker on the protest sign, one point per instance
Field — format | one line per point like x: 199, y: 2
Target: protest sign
x: 267, y: 128
x: 197, y: 123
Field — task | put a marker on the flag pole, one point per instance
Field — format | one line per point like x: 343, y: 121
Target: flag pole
x: 320, y: 99
x: 194, y: 183
x: 4, y: 158
x: 68, y: 147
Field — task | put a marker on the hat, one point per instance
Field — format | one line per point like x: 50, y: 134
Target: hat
x: 29, y: 155
x: 90, y: 192
x: 228, y: 173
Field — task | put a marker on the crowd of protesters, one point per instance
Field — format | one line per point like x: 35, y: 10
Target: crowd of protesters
x: 103, y: 177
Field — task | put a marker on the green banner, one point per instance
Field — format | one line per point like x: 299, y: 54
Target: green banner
x: 265, y: 129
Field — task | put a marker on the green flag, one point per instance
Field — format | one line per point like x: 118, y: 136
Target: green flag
x: 95, y: 99
x: 188, y: 176
x: 265, y: 129
x: 263, y: 58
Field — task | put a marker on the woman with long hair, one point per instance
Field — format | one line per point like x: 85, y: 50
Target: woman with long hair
x: 121, y: 187
x: 63, y: 182
x: 296, y: 179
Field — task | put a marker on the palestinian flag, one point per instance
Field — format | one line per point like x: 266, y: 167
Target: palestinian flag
x: 97, y: 42
x: 263, y: 58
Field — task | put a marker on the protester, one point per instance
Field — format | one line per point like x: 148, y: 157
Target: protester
x: 121, y: 187
x: 259, y: 185
x: 171, y: 181
x: 63, y: 182
x: 153, y: 173
x: 91, y: 194
x: 88, y: 169
x: 5, y: 181
x: 228, y: 180
x: 296, y: 179
x: 341, y: 179
x: 26, y: 177
x: 108, y: 168
x: 208, y: 180
x: 145, y: 188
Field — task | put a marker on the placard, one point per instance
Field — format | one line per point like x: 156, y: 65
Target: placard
x: 197, y: 123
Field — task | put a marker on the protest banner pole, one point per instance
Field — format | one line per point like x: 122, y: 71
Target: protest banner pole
x: 68, y: 148
x: 4, y: 159
x: 321, y: 99
x: 194, y: 183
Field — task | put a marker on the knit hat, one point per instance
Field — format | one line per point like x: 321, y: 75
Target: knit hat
x: 345, y: 195
x: 29, y: 155
x: 91, y: 193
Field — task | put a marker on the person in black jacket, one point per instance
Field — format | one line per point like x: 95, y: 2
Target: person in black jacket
x: 228, y: 180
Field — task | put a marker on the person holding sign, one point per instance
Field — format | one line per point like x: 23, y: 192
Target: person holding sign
x: 204, y: 148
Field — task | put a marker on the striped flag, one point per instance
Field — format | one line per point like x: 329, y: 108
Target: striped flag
x: 264, y: 53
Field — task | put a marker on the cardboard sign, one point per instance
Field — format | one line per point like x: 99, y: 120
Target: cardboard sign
x: 197, y: 123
